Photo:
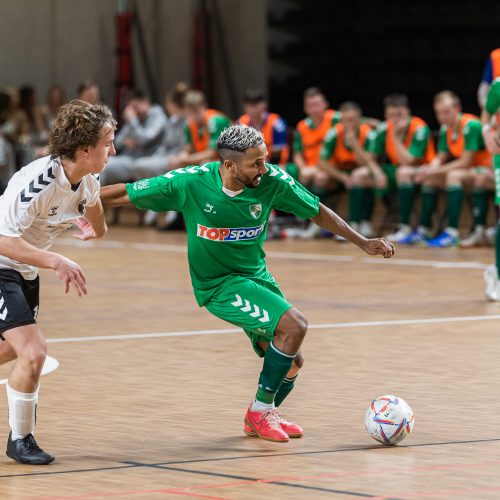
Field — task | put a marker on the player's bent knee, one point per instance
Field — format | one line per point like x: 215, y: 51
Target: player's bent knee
x: 299, y: 360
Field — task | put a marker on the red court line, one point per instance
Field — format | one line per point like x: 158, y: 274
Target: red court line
x: 438, y: 493
x: 186, y: 490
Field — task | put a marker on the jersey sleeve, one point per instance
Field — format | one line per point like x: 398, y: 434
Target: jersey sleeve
x: 376, y: 140
x: 187, y: 135
x: 329, y: 144
x: 294, y: 198
x: 442, y: 142
x: 492, y: 105
x: 473, y: 136
x: 158, y: 193
x: 297, y: 143
x: 419, y: 141
x: 215, y: 126
x: 17, y: 215
x: 94, y: 191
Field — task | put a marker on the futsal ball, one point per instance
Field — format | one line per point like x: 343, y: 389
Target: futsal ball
x: 389, y: 419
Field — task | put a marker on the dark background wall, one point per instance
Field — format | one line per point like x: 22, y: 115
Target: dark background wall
x: 364, y: 49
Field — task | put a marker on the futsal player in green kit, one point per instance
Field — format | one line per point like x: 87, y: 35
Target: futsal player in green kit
x: 226, y: 207
x: 491, y: 134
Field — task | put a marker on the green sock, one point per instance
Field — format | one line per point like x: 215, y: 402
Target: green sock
x: 284, y: 390
x: 406, y: 195
x: 480, y: 206
x: 276, y: 365
x: 355, y: 203
x: 429, y: 197
x: 455, y: 200
x: 497, y: 249
x: 368, y: 202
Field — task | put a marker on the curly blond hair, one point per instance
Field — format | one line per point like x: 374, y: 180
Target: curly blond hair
x: 78, y: 124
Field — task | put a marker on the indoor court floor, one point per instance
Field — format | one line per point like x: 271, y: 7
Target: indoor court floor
x: 150, y: 393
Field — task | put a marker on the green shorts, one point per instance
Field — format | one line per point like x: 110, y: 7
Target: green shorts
x: 254, y: 304
x: 390, y: 172
x: 496, y: 166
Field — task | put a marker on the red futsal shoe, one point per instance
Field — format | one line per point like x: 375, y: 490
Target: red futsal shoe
x: 266, y: 425
x: 293, y: 430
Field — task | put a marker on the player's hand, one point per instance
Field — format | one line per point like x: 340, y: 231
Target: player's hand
x: 492, y: 140
x: 426, y: 171
x: 87, y: 231
x: 71, y: 274
x: 379, y: 246
x: 380, y: 179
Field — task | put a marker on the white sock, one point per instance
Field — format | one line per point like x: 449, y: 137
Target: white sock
x: 259, y: 406
x: 22, y: 412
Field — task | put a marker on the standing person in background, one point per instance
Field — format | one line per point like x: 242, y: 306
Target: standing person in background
x: 344, y: 157
x: 41, y: 201
x: 272, y: 126
x: 491, y: 72
x: 56, y: 97
x: 203, y: 127
x: 490, y: 120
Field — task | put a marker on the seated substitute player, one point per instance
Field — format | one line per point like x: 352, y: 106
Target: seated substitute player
x: 406, y: 142
x: 226, y: 206
x: 202, y: 129
x: 272, y: 126
x: 344, y: 158
x: 41, y: 201
x: 491, y: 72
x: 490, y: 119
x: 462, y: 162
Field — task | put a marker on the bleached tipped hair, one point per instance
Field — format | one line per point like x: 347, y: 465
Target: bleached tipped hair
x: 239, y: 138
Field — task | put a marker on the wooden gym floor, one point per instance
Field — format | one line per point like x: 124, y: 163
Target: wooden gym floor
x: 149, y: 398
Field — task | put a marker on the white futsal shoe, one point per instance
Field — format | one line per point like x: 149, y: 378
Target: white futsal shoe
x: 492, y: 291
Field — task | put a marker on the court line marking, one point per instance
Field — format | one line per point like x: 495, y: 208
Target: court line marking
x: 253, y: 480
x: 373, y: 448
x: 51, y: 364
x: 319, y: 326
x: 315, y: 257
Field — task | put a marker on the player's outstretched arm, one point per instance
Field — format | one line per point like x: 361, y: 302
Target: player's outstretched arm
x: 114, y: 195
x: 329, y: 220
x: 67, y: 271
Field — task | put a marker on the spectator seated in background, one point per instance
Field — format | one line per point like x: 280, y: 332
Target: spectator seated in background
x: 56, y: 97
x: 345, y: 160
x: 462, y: 163
x: 405, y: 142
x: 141, y: 135
x: 309, y: 136
x: 89, y: 91
x: 272, y: 126
x: 7, y: 159
x: 202, y: 130
x: 174, y: 138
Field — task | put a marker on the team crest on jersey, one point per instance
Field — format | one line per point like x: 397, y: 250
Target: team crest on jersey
x: 81, y: 206
x: 255, y: 210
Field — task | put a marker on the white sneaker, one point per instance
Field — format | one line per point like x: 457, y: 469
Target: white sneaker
x: 476, y: 239
x: 491, y: 234
x: 311, y: 232
x: 402, y: 232
x: 492, y: 291
x: 150, y: 218
x: 366, y: 229
x: 291, y: 232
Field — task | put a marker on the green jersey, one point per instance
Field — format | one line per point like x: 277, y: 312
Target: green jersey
x: 492, y: 105
x: 205, y: 137
x: 469, y: 129
x: 416, y: 140
x: 225, y: 233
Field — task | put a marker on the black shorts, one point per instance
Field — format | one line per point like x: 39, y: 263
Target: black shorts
x: 19, y: 299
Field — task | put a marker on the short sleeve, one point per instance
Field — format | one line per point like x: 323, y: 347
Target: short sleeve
x: 418, y: 143
x: 329, y: 144
x: 297, y: 142
x: 215, y: 126
x: 376, y: 141
x: 492, y: 105
x: 158, y: 193
x: 93, y: 190
x: 294, y: 198
x: 187, y: 135
x: 473, y: 136
x: 17, y: 215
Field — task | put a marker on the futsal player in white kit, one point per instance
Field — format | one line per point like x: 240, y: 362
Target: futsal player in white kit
x: 41, y: 200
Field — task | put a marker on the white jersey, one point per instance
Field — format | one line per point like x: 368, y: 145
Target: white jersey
x: 39, y: 203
